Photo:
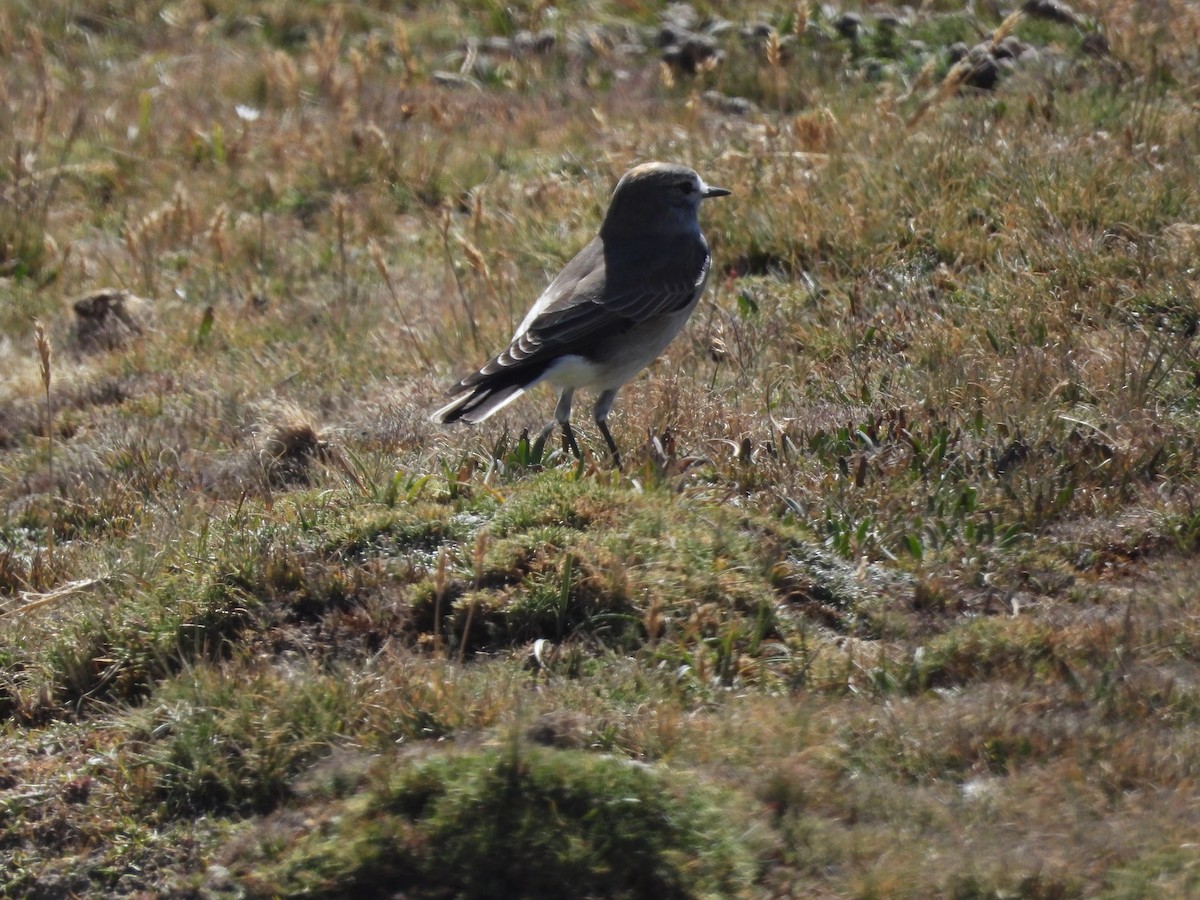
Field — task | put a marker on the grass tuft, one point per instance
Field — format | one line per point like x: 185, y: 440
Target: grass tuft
x: 895, y: 590
x: 488, y: 824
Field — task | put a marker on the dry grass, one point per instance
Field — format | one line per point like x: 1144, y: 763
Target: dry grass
x: 897, y: 578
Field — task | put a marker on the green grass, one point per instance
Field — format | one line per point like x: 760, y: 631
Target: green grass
x: 893, y: 597
x: 495, y: 824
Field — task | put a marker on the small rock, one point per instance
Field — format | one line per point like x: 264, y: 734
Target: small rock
x: 498, y: 46
x: 734, y: 106
x: 454, y: 80
x: 984, y: 71
x: 108, y: 319
x: 874, y: 69
x: 671, y: 35
x: 759, y: 37
x: 717, y: 27
x: 690, y: 52
x: 757, y: 32
x: 1029, y: 54
x: 889, y: 22
x: 1051, y: 10
x: 682, y: 14
x: 1011, y: 47
x: 525, y: 42
x: 848, y: 25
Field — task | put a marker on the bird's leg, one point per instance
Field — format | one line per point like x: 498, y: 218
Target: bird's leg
x: 603, y: 405
x: 569, y: 444
x: 612, y: 445
x: 562, y: 415
x: 562, y: 419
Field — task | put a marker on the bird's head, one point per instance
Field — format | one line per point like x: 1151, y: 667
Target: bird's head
x: 656, y: 197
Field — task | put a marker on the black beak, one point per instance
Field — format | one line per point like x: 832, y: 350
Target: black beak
x: 710, y: 191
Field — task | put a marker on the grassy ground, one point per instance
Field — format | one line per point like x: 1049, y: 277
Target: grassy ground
x: 895, y: 596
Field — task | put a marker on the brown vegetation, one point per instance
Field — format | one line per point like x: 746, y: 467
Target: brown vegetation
x: 893, y: 598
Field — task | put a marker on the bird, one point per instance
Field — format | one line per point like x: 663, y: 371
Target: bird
x: 610, y: 312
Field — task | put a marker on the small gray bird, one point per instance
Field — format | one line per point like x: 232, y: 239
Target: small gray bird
x: 612, y: 309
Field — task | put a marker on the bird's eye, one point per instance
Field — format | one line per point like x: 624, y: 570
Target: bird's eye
x: 686, y: 187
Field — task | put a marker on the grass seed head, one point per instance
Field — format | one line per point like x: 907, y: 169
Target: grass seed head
x: 665, y: 76
x: 45, y: 352
x: 774, y: 55
x: 800, y: 20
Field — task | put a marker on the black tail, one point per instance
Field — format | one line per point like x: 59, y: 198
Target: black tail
x: 479, y: 395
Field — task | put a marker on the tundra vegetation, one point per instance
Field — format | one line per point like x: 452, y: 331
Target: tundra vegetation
x: 894, y: 597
